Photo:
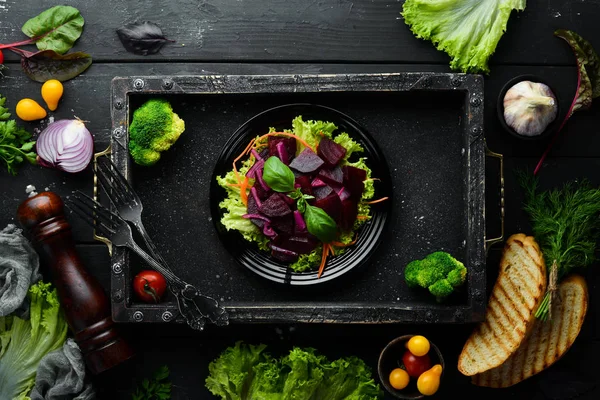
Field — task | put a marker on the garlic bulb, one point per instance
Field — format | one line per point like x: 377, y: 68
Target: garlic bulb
x: 529, y: 107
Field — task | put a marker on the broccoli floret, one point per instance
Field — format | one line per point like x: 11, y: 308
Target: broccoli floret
x: 155, y: 127
x: 439, y: 272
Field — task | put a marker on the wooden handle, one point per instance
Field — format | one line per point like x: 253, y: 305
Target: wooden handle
x: 86, y: 306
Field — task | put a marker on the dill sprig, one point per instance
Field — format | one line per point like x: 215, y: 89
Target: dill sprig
x: 566, y: 224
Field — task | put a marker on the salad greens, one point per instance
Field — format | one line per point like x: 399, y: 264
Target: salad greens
x: 280, y: 178
x: 247, y: 372
x: 23, y: 343
x: 16, y: 145
x: 468, y: 30
x: 157, y: 388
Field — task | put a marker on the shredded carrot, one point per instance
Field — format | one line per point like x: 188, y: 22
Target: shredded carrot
x: 246, y: 151
x: 340, y: 244
x: 376, y: 201
x: 372, y: 179
x: 285, y: 134
x: 362, y: 217
x: 323, y: 259
x: 243, y: 193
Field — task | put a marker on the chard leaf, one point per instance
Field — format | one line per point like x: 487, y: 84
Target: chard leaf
x: 588, y: 68
x: 55, y: 29
x: 48, y: 64
x: 588, y: 80
x: 142, y: 38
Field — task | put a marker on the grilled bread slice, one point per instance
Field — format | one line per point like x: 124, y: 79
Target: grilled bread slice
x: 547, y: 342
x: 509, y: 316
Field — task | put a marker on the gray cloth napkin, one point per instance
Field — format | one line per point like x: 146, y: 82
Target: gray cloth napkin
x: 61, y: 376
x: 19, y: 269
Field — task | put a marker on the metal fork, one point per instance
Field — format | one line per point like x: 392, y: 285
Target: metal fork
x: 118, y: 231
x: 129, y: 207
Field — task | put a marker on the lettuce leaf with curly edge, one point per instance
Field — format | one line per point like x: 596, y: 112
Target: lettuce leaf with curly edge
x: 468, y: 30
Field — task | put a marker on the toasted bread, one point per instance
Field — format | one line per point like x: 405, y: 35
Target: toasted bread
x: 509, y: 316
x: 547, y: 342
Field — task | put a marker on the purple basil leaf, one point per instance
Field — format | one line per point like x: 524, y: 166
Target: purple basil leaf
x: 48, y: 64
x: 142, y: 38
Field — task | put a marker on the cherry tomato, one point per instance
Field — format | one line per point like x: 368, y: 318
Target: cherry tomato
x: 418, y: 345
x: 414, y: 365
x: 149, y: 286
x: 399, y: 378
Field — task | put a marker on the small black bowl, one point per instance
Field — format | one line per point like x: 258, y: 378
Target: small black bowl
x: 391, y: 358
x: 549, y: 129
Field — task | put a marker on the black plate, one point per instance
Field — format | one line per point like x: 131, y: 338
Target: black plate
x: 370, y: 234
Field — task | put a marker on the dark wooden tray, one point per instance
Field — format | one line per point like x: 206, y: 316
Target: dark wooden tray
x: 430, y: 129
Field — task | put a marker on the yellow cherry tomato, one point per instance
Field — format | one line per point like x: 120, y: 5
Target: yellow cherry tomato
x: 418, y: 345
x: 429, y: 381
x: 52, y: 91
x: 399, y: 378
x: 29, y: 110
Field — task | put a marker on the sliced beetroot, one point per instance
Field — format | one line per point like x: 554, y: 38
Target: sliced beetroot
x: 253, y: 210
x: 275, y: 206
x: 307, y: 162
x: 289, y: 146
x: 300, y: 225
x: 303, y: 183
x: 322, y: 192
x: 284, y: 255
x: 343, y: 193
x: 297, y: 244
x: 264, y: 154
x: 256, y: 167
x: 261, y: 192
x: 349, y: 212
x: 317, y: 183
x: 331, y: 152
x: 332, y: 205
x: 284, y: 225
x: 354, y: 180
x: 287, y: 199
x: 333, y: 176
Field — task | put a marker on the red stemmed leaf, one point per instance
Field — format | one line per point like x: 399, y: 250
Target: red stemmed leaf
x: 48, y: 64
x: 588, y: 80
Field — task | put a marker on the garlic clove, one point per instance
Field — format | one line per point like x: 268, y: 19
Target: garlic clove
x: 529, y: 107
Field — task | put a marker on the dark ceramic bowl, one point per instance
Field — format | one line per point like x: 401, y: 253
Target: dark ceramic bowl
x: 549, y: 129
x: 391, y: 358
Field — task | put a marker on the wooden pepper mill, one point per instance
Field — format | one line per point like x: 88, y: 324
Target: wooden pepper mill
x: 86, y: 306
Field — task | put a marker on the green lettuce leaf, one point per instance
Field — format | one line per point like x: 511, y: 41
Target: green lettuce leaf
x: 232, y: 373
x: 311, y: 131
x: 25, y: 342
x: 468, y: 30
x: 351, y: 146
x: 246, y: 372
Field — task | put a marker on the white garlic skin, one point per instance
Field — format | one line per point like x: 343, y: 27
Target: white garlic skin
x: 529, y: 107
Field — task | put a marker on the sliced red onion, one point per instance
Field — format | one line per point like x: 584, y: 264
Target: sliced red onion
x: 256, y: 216
x: 253, y: 169
x: 261, y: 181
x: 255, y: 195
x: 256, y: 155
x: 282, y: 153
x: 268, y: 231
x: 65, y: 144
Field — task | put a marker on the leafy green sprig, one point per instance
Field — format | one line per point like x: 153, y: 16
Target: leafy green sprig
x: 566, y: 224
x: 15, y: 143
x: 157, y: 388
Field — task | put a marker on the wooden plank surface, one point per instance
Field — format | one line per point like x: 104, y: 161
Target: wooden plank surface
x: 311, y: 37
x: 302, y: 30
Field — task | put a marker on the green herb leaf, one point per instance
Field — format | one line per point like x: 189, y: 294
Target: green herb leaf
x: 15, y: 143
x: 278, y: 176
x: 48, y: 64
x: 158, y: 388
x: 55, y: 29
x: 320, y: 224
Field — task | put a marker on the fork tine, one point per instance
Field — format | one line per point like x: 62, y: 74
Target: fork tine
x: 111, y: 168
x: 104, y: 215
x: 88, y: 218
x: 115, y: 196
x: 112, y: 181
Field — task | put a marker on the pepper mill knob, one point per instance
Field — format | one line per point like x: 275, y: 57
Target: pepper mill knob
x: 86, y: 306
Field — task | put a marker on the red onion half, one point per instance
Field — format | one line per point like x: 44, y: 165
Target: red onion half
x: 65, y: 144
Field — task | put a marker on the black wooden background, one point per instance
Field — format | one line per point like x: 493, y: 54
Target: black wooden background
x: 321, y: 36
